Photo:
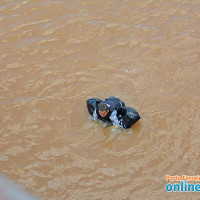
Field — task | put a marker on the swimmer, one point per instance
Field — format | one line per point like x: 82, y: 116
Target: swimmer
x: 113, y: 111
x: 107, y: 111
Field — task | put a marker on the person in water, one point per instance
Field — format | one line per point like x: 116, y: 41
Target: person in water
x: 107, y: 111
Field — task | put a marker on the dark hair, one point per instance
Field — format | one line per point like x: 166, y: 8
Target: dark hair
x: 102, y: 107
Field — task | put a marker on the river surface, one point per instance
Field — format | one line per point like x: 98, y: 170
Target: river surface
x: 54, y: 55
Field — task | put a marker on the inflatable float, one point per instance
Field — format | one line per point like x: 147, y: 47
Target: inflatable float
x: 126, y: 115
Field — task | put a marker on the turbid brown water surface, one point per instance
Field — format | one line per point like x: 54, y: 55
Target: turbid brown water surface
x: 56, y: 54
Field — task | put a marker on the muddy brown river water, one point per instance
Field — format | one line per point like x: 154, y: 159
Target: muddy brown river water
x: 54, y: 55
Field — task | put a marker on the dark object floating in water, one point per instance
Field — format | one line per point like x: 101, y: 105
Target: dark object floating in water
x: 126, y: 115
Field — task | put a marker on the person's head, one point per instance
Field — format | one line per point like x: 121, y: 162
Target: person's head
x: 103, y: 109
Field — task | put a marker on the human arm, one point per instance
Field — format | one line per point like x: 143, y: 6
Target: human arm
x: 114, y: 119
x: 95, y: 117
